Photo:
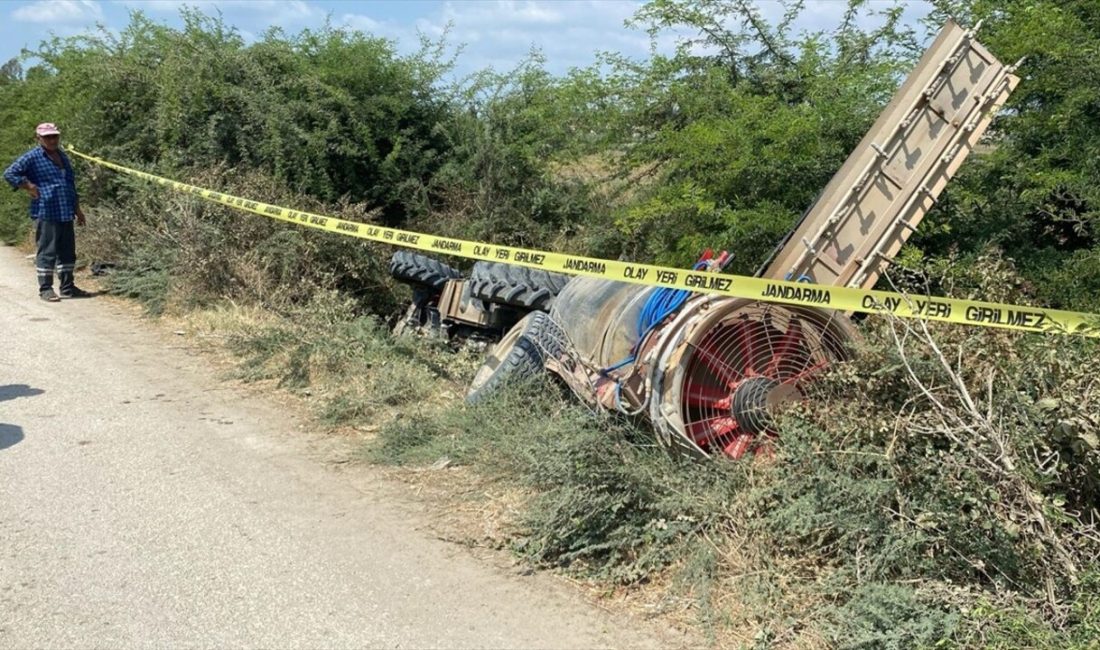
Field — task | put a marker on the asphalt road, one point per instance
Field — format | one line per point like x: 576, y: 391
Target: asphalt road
x: 143, y: 503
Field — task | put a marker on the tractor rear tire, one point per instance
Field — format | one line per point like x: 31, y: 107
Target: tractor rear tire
x: 413, y: 268
x: 516, y: 286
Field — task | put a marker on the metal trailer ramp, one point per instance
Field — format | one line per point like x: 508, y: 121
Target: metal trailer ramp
x: 893, y: 177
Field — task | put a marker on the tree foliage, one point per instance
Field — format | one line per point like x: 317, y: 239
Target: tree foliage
x: 1036, y: 194
x: 330, y: 113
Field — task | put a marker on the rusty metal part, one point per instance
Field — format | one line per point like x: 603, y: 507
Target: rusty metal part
x: 455, y: 304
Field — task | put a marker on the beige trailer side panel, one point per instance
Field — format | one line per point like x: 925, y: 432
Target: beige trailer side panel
x: 893, y: 177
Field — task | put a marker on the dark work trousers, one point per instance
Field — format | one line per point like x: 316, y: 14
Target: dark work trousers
x: 56, y: 250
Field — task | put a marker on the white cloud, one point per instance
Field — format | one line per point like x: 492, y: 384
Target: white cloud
x: 361, y: 23
x: 274, y: 12
x: 567, y: 32
x: 509, y: 12
x: 171, y: 6
x: 59, y: 12
x: 403, y: 35
x: 164, y: 5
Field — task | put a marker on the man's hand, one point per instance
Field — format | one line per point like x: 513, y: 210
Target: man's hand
x: 31, y: 188
x: 79, y: 217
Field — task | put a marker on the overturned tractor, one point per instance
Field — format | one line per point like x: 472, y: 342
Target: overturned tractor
x: 709, y: 372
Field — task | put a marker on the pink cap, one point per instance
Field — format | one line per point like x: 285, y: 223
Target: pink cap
x: 47, y: 128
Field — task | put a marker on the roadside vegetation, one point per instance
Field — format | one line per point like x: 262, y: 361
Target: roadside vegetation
x: 940, y: 491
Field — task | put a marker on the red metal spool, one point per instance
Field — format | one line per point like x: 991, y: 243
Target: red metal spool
x: 740, y: 369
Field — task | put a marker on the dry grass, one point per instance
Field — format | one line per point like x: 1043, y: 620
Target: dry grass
x: 610, y: 179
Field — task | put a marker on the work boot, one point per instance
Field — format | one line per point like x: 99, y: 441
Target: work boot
x: 75, y: 292
x: 49, y: 296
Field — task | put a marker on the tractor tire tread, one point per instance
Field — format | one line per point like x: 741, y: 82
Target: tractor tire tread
x: 516, y: 286
x: 524, y: 360
x: 413, y: 268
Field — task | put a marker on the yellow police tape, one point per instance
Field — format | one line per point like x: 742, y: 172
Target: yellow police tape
x: 949, y: 310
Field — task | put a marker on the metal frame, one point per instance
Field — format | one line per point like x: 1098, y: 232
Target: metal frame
x: 891, y: 180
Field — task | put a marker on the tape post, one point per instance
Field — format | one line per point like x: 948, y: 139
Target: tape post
x: 929, y: 308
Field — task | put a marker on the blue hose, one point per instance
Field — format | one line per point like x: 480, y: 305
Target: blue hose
x: 660, y: 304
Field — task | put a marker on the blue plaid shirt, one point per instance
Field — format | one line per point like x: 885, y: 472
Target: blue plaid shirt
x: 57, y: 199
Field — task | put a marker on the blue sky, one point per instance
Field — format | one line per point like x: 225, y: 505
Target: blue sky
x: 496, y: 33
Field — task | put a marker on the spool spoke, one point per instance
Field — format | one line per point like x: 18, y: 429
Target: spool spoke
x: 739, y: 446
x: 807, y: 371
x: 706, y: 431
x: 721, y: 370
x: 791, y: 338
x: 747, y: 346
x: 707, y: 397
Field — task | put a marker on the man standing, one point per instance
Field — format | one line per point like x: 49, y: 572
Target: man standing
x: 47, y: 176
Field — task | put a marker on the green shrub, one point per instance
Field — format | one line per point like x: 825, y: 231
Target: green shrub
x: 887, y: 617
x: 607, y: 502
x: 910, y: 489
x: 146, y: 277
